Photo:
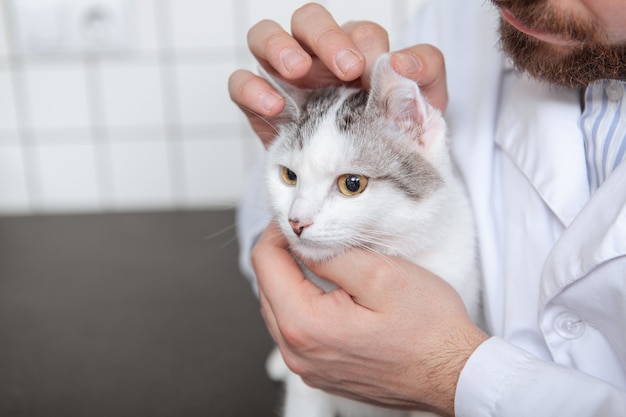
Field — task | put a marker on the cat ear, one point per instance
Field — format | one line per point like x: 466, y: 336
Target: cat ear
x: 294, y: 96
x: 403, y: 104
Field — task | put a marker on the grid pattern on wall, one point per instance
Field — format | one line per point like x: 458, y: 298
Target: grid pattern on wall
x: 145, y: 126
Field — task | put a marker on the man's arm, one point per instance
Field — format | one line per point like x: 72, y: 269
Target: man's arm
x: 502, y: 380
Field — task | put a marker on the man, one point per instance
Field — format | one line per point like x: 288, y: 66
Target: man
x: 539, y: 136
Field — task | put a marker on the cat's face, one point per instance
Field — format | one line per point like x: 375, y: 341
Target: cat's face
x: 342, y: 173
x: 325, y: 199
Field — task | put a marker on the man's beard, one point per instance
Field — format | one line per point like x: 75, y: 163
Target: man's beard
x: 569, y: 66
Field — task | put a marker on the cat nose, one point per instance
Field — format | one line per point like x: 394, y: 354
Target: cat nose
x: 297, y: 226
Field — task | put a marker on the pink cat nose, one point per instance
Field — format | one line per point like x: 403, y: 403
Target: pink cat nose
x: 297, y: 226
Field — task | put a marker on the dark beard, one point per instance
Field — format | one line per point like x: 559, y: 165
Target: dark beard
x: 565, y: 66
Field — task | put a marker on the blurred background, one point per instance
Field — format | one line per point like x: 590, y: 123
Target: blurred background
x: 113, y: 105
x: 121, y: 160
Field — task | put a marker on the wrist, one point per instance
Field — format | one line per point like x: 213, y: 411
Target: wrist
x: 446, y: 367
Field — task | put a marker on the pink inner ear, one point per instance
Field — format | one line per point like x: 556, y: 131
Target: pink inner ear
x: 410, y: 112
x: 404, y: 109
x: 403, y: 104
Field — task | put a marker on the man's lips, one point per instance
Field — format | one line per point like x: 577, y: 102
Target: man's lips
x: 544, y: 36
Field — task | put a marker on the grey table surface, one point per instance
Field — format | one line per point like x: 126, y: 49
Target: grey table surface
x: 132, y: 314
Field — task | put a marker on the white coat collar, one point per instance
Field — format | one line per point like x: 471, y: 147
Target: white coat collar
x: 538, y: 129
x: 597, y: 235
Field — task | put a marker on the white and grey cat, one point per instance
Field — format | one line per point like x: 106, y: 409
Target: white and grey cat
x: 351, y: 168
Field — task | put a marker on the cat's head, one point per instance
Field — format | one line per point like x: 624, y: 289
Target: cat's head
x: 355, y: 168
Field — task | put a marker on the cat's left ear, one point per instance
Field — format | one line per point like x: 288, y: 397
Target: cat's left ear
x: 294, y: 97
x: 403, y: 104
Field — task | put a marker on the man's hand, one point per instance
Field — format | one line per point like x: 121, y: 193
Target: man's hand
x: 320, y: 52
x: 394, y: 334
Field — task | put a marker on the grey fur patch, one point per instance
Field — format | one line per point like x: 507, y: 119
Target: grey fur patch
x: 316, y: 106
x: 387, y: 154
x: 396, y: 162
x: 351, y: 110
x: 296, y: 132
x: 417, y: 178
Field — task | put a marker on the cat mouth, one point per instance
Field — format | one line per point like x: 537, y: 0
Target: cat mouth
x: 316, y: 251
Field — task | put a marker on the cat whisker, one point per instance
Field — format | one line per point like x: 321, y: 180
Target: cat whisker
x: 387, y: 258
x: 219, y: 232
x: 261, y: 117
x: 228, y: 242
x: 391, y: 262
x: 382, y: 241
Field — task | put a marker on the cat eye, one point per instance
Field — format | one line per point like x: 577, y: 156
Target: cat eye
x: 351, y: 184
x: 289, y: 177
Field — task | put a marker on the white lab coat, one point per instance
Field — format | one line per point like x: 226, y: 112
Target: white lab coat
x: 552, y: 257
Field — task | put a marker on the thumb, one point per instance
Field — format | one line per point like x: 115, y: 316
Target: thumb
x: 372, y: 280
x: 278, y: 275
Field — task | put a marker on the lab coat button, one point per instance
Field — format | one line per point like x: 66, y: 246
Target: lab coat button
x: 569, y: 325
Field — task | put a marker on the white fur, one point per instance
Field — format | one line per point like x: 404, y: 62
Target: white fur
x: 435, y: 232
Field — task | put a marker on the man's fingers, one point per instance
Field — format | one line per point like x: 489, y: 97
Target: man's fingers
x: 258, y: 100
x: 314, y: 27
x: 372, y: 40
x: 424, y: 64
x: 254, y: 93
x: 277, y: 50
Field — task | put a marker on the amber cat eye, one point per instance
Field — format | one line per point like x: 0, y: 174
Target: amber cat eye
x: 289, y: 177
x: 351, y: 184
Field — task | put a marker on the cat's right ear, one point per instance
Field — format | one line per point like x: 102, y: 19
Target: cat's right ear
x: 403, y: 105
x: 294, y: 96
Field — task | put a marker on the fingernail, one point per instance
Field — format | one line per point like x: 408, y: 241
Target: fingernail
x: 269, y: 100
x: 291, y: 58
x: 346, y: 59
x: 406, y: 64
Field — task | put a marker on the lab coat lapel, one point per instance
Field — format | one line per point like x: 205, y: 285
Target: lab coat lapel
x: 596, y: 236
x: 538, y: 129
x: 584, y: 280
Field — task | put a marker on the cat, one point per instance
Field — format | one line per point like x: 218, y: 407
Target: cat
x: 352, y: 168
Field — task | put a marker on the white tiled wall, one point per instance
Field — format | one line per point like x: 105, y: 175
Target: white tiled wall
x: 145, y: 126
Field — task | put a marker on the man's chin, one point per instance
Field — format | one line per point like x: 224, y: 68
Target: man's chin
x: 571, y: 67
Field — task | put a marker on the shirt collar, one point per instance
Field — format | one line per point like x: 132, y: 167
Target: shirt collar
x: 603, y: 129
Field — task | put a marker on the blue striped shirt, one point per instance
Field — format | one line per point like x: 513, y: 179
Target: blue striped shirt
x: 603, y: 123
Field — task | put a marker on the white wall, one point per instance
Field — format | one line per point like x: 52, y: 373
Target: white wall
x: 148, y: 125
